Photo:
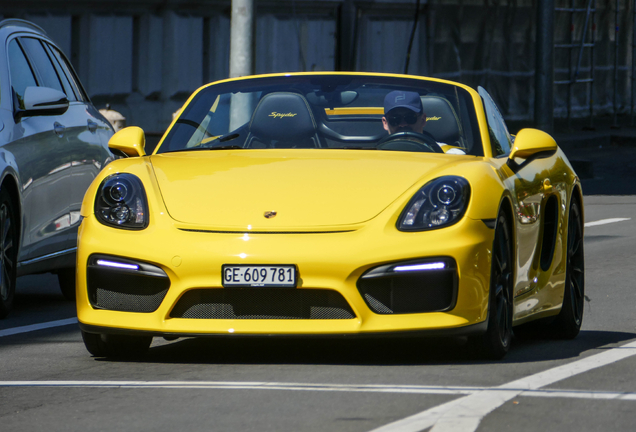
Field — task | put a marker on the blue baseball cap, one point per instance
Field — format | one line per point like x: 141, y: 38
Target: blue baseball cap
x: 402, y: 99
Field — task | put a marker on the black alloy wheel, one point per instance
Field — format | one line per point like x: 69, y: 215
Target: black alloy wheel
x: 495, y: 343
x: 8, y: 252
x: 568, y: 323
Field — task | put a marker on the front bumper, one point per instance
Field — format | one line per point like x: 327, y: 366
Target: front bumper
x: 332, y: 268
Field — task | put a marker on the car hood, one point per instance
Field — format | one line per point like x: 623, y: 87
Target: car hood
x: 306, y: 188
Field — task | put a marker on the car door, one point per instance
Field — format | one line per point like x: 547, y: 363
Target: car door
x: 55, y: 155
x: 531, y: 192
x: 87, y: 137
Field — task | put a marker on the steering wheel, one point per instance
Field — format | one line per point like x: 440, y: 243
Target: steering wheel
x: 422, y: 142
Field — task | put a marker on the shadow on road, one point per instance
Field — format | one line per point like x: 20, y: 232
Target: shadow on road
x: 370, y: 352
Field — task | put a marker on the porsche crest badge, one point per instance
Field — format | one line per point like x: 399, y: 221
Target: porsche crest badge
x: 270, y: 214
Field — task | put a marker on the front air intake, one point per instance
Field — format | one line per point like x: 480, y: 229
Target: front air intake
x: 262, y: 303
x: 411, y: 287
x: 124, y: 285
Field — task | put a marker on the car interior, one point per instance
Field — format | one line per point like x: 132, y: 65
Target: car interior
x: 318, y: 115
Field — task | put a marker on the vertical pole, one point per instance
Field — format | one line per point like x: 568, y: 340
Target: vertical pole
x: 408, y: 50
x: 570, y: 69
x: 345, y: 48
x: 241, y: 38
x: 592, y: 65
x: 633, y: 59
x: 205, y: 72
x: 241, y: 58
x: 544, y: 75
x: 616, y: 35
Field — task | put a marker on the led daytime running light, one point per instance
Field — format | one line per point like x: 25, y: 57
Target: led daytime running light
x: 417, y: 267
x: 115, y: 264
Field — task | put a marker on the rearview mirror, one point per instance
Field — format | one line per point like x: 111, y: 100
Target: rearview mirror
x: 531, y: 142
x: 130, y: 141
x: 332, y: 99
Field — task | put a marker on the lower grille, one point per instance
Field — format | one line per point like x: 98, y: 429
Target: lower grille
x: 115, y: 299
x: 262, y: 303
x: 410, y: 292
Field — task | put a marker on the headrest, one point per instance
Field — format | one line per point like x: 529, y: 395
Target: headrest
x: 441, y: 120
x: 283, y: 116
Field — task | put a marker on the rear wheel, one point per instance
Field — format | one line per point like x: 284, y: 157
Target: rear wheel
x: 66, y: 279
x: 121, y: 346
x: 495, y: 343
x: 8, y: 252
x: 568, y: 323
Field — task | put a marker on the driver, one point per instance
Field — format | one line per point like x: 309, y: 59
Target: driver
x: 403, y: 112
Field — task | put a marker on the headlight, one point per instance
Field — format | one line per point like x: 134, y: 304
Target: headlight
x: 441, y: 202
x: 121, y: 202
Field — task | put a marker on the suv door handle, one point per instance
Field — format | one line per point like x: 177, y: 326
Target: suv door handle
x: 92, y: 126
x: 59, y: 129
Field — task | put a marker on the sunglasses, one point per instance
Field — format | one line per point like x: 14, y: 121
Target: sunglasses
x: 396, y: 120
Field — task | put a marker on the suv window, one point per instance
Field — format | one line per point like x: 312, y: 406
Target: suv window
x: 74, y: 82
x: 42, y: 63
x: 500, y: 139
x: 20, y: 70
x: 71, y: 94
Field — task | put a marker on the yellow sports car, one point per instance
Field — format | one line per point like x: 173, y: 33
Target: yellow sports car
x: 338, y: 204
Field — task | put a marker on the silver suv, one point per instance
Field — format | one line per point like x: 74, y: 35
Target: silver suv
x: 53, y: 142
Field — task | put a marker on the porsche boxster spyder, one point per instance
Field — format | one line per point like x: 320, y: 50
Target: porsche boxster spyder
x: 280, y: 205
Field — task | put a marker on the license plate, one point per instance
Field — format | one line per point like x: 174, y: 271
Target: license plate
x: 239, y: 275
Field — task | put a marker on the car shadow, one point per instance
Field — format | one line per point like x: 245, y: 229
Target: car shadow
x: 368, y: 352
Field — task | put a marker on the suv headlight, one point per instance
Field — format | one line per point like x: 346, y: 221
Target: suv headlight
x: 440, y: 203
x: 121, y: 202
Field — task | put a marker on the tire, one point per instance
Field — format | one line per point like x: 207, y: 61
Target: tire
x: 568, y: 323
x: 495, y: 343
x: 66, y: 279
x: 8, y: 252
x: 117, y: 346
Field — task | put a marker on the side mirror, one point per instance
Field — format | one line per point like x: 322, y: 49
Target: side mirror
x: 41, y: 101
x: 531, y: 142
x: 130, y: 141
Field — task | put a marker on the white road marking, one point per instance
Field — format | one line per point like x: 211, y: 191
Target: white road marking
x: 606, y: 221
x: 229, y: 385
x: 35, y: 327
x: 459, y: 415
x: 465, y: 414
x: 355, y: 388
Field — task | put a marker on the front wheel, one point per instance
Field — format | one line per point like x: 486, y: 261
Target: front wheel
x: 495, y: 343
x: 8, y: 252
x: 568, y: 323
x: 119, y: 346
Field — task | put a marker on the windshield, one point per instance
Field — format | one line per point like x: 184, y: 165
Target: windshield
x: 322, y: 112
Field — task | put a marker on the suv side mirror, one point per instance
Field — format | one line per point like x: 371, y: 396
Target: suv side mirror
x: 130, y: 141
x: 41, y: 101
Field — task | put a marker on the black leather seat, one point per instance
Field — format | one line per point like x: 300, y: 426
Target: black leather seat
x: 282, y: 120
x: 442, y: 121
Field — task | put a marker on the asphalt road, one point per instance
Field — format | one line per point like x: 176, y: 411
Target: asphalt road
x: 49, y: 382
